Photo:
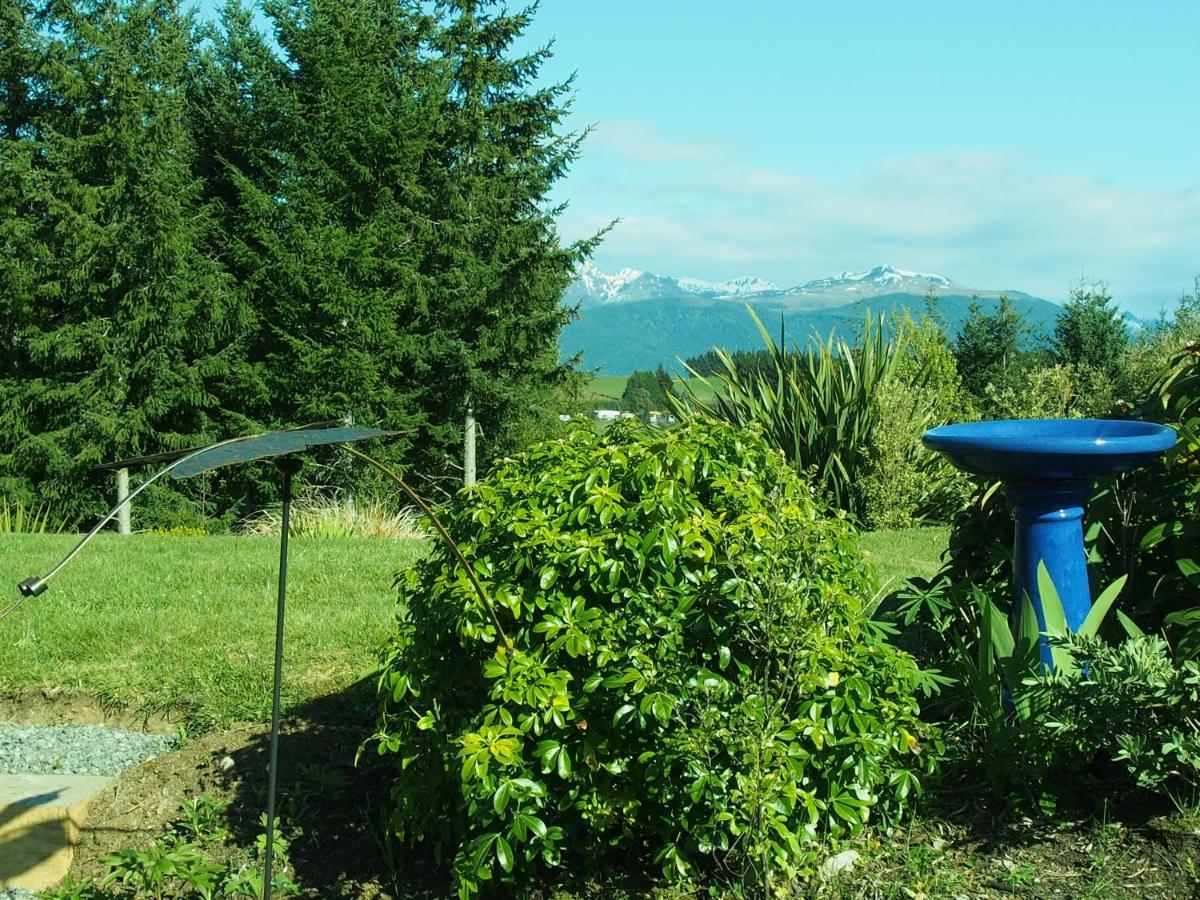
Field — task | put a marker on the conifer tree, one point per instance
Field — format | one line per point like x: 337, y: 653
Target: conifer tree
x: 987, y: 347
x: 21, y: 244
x: 126, y: 335
x: 498, y: 267
x: 313, y: 151
x: 1091, y: 332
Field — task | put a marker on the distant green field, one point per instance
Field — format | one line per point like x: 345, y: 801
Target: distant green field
x: 607, y: 389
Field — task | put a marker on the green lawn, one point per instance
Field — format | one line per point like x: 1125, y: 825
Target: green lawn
x: 607, y: 389
x: 184, y: 626
x: 912, y: 553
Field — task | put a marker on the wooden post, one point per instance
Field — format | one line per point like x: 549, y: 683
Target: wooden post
x: 469, y: 447
x: 122, y: 493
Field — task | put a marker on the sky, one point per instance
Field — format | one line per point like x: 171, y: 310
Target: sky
x: 1019, y: 145
x: 1015, y: 145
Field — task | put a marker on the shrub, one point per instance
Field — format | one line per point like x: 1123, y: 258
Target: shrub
x: 1128, y: 714
x: 685, y: 672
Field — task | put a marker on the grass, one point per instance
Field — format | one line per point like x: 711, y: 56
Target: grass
x: 184, y: 626
x: 607, y: 389
x: 911, y: 553
x: 180, y: 625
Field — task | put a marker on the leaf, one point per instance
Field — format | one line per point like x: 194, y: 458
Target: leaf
x: 1130, y: 628
x: 504, y: 853
x: 623, y: 713
x: 1095, y: 617
x: 1052, y: 608
x: 500, y: 798
x: 1056, y: 622
x: 996, y: 628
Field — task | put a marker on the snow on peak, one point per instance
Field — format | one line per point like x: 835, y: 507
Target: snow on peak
x: 607, y: 286
x: 734, y: 287
x: 880, y: 276
x: 886, y: 274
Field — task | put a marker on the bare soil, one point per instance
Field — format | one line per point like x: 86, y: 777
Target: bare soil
x: 333, y: 813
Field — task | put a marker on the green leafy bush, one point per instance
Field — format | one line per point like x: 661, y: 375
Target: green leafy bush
x: 1125, y: 712
x: 685, y: 674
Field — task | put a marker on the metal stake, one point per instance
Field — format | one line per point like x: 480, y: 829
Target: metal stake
x: 289, y: 466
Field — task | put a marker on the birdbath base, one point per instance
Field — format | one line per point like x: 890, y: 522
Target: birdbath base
x: 1049, y: 530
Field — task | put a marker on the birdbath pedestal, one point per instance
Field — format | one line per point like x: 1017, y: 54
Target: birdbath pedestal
x: 1048, y: 467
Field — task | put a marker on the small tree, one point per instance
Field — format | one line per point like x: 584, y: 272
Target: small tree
x: 645, y: 391
x: 986, y: 349
x: 1090, y: 331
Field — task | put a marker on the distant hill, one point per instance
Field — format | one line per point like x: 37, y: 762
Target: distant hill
x: 636, y: 320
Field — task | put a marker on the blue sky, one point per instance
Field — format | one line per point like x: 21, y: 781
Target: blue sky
x: 1016, y: 145
x: 1019, y: 145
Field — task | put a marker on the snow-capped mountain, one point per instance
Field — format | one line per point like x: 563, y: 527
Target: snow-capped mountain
x: 874, y: 281
x: 636, y: 319
x: 592, y: 286
x: 735, y: 287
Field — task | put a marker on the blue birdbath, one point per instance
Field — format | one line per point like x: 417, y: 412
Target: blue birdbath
x: 1048, y: 467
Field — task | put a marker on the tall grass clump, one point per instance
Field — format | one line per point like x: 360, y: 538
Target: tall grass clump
x: 18, y: 517
x: 845, y: 412
x: 322, y: 515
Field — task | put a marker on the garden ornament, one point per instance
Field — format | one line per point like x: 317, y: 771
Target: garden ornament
x: 282, y: 447
x: 1048, y: 467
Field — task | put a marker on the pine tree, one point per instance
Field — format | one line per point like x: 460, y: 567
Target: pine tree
x: 497, y: 270
x: 127, y: 330
x: 1091, y: 332
x: 987, y: 348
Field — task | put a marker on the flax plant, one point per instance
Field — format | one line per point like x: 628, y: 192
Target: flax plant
x: 819, y: 405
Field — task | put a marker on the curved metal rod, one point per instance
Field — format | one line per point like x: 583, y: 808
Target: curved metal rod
x: 32, y: 587
x: 441, y: 530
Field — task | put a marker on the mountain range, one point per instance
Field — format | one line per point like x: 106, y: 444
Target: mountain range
x: 636, y: 320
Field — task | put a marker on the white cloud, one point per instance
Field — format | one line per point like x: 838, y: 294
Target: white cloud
x: 987, y: 218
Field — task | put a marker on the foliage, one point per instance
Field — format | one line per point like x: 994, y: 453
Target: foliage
x: 207, y: 232
x: 646, y: 391
x: 853, y: 415
x: 820, y: 407
x: 186, y: 862
x: 321, y: 515
x: 16, y: 517
x: 689, y: 676
x: 987, y: 348
x: 1058, y: 716
x: 1036, y: 393
x: 904, y: 483
x: 1091, y: 332
x: 1126, y: 708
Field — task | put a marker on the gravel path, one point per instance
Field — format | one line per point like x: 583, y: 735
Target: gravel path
x: 74, y: 750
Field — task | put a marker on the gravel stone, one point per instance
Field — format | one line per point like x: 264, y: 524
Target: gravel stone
x: 76, y: 750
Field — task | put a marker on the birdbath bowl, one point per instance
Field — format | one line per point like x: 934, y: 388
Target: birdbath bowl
x: 1048, y: 467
